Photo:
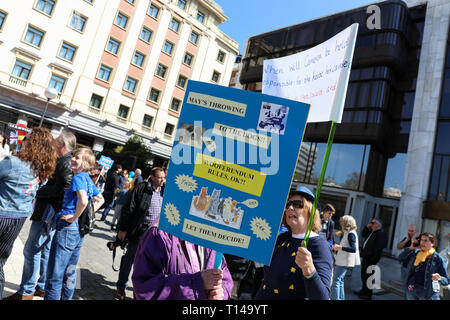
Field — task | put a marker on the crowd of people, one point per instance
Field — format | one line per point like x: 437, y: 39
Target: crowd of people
x: 52, y: 182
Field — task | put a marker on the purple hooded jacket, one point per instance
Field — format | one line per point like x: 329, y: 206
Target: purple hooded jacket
x: 162, y: 273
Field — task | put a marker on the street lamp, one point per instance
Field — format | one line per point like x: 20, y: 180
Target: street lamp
x: 50, y: 93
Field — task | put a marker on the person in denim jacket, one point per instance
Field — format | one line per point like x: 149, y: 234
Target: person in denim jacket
x: 19, y: 178
x: 67, y: 241
x: 424, y: 265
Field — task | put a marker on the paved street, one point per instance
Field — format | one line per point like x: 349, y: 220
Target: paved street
x: 97, y: 279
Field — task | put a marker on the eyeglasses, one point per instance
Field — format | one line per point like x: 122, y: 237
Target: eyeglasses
x: 297, y: 204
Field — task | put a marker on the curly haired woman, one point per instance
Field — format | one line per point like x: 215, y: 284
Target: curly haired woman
x: 20, y: 176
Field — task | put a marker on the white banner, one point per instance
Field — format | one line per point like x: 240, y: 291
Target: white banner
x: 318, y: 76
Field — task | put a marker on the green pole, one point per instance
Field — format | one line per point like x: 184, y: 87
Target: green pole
x: 320, y: 182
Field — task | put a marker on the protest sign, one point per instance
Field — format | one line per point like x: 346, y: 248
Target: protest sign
x: 106, y: 162
x: 318, y: 76
x: 231, y: 168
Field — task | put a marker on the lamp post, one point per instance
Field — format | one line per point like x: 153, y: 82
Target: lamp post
x: 50, y: 93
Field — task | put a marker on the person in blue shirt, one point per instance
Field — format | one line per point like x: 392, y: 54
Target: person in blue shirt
x: 67, y: 241
x: 20, y: 175
x: 297, y: 273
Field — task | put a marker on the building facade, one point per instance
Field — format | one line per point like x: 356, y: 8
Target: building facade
x: 120, y: 66
x: 390, y: 157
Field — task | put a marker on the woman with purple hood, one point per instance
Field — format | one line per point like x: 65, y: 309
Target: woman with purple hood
x: 169, y: 268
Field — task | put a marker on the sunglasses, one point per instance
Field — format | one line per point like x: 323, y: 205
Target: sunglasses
x: 297, y: 204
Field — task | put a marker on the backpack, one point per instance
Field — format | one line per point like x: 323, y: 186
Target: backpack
x: 86, y: 220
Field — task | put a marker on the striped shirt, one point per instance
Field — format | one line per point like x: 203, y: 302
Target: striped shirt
x: 155, y: 208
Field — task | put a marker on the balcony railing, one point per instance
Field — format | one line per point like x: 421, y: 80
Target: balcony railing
x: 17, y: 80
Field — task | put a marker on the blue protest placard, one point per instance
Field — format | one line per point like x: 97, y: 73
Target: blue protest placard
x: 106, y: 162
x: 231, y: 168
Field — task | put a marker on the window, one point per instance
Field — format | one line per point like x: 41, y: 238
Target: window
x: 188, y: 58
x: 22, y: 70
x: 96, y: 101
x: 121, y: 20
x: 123, y: 111
x: 138, y: 59
x: 174, y: 25
x: 175, y: 105
x: 221, y: 56
x: 181, y: 4
x: 161, y: 71
x: 169, y: 129
x: 34, y: 36
x: 78, y: 22
x: 193, y: 37
x: 45, y: 6
x: 57, y: 83
x: 146, y: 34
x: 113, y: 46
x: 215, y: 76
x: 104, y: 73
x: 130, y: 84
x: 181, y: 82
x: 154, y: 95
x: 67, y: 51
x: 200, y: 16
x: 153, y: 11
x: 2, y: 19
x: 147, y: 120
x: 168, y: 47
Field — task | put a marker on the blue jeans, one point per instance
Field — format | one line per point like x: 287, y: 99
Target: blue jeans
x: 419, y: 294
x: 109, y: 203
x: 64, y: 254
x: 35, y: 252
x: 337, y: 289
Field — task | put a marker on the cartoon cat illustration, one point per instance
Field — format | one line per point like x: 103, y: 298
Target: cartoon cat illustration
x: 226, y: 211
x: 201, y: 201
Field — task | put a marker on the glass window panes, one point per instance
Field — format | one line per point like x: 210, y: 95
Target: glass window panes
x: 187, y: 58
x: 220, y: 56
x: 175, y: 104
x: 200, y: 16
x: 130, y: 84
x: 393, y: 183
x: 2, y: 19
x: 181, y: 82
x: 193, y: 37
x: 22, y: 70
x: 138, y: 59
x: 104, y: 73
x: 96, y: 101
x: 153, y: 11
x: 154, y: 95
x: 181, y: 4
x: 147, y: 120
x: 146, y: 34
x: 77, y: 22
x: 121, y: 20
x: 113, y: 46
x: 123, y: 111
x: 161, y: 70
x: 45, y: 6
x: 67, y: 51
x: 57, y: 83
x: 34, y: 36
x: 168, y: 47
x: 215, y: 76
x: 174, y: 25
x: 169, y: 129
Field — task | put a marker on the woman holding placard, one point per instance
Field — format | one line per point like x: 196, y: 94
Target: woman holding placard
x: 296, y: 272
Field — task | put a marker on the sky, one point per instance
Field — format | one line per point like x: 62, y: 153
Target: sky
x: 247, y: 18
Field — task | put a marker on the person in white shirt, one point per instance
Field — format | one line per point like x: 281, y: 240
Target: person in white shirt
x: 4, y: 147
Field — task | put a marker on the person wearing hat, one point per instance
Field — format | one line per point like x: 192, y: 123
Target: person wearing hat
x: 296, y: 272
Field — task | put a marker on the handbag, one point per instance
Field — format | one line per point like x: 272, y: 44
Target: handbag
x: 86, y: 220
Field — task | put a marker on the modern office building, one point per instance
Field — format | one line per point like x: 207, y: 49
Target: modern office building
x: 120, y: 66
x: 391, y: 156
